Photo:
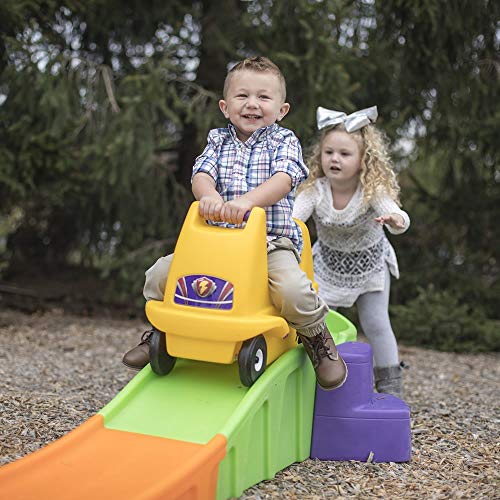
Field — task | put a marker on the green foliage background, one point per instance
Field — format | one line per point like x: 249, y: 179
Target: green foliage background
x: 105, y: 104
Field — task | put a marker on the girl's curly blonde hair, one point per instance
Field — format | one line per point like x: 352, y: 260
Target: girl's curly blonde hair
x: 377, y: 171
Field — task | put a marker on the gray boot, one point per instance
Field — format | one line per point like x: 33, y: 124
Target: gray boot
x: 389, y: 379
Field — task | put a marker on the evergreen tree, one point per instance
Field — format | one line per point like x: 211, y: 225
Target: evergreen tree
x: 94, y: 97
x: 445, y: 71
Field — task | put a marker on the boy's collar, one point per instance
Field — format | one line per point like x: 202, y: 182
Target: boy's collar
x: 261, y: 134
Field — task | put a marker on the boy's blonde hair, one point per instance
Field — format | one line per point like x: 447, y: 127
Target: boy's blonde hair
x: 259, y: 64
x: 377, y: 171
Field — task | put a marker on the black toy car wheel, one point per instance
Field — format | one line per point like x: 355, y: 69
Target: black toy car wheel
x: 160, y: 360
x: 252, y: 360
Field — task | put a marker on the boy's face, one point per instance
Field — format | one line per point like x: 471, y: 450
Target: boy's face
x: 253, y: 100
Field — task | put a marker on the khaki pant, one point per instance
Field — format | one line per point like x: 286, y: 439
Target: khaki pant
x: 290, y: 288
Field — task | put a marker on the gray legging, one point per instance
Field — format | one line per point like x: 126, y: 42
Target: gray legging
x: 373, y: 313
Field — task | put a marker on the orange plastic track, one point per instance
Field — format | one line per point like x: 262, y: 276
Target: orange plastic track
x: 93, y: 462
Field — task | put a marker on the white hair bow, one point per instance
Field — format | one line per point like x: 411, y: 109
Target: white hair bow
x: 354, y: 121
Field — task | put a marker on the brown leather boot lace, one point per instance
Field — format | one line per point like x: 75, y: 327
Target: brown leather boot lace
x: 319, y: 347
x: 146, y: 337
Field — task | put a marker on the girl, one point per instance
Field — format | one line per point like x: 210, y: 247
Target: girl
x: 351, y: 193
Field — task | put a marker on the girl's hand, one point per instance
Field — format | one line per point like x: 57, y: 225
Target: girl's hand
x: 234, y: 211
x: 393, y: 220
x: 210, y: 207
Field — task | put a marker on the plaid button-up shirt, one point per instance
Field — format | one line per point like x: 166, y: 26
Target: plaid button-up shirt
x: 238, y: 167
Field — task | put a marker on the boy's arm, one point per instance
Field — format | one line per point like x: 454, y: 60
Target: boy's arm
x: 211, y: 202
x: 265, y: 195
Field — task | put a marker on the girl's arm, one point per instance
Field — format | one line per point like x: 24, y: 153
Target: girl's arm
x: 389, y: 213
x: 305, y: 203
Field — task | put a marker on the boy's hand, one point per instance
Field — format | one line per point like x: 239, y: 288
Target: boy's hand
x: 210, y: 207
x: 234, y: 211
x: 393, y: 220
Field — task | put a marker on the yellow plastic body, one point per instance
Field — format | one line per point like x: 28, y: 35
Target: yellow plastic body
x: 240, y: 257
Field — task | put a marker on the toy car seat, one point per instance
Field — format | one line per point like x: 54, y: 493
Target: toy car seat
x: 217, y: 305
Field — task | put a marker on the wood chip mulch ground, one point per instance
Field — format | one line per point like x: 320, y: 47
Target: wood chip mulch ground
x: 57, y: 370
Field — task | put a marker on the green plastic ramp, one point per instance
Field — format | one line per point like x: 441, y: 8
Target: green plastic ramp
x: 195, y: 434
x: 267, y: 426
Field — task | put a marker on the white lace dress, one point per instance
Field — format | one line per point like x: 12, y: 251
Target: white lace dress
x: 352, y: 249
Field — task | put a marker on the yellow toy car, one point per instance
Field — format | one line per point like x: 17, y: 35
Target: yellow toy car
x: 217, y: 305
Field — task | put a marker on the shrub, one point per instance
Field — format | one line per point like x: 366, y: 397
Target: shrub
x: 438, y: 319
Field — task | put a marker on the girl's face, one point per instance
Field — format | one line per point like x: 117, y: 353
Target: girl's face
x: 341, y: 158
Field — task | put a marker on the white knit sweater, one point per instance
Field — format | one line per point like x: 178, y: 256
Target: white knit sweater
x: 352, y: 250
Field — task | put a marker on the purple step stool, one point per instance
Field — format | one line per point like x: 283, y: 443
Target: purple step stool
x: 352, y: 421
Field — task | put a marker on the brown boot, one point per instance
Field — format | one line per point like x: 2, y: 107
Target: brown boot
x: 138, y: 357
x: 330, y: 368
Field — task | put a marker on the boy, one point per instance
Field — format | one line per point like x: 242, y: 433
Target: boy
x: 255, y: 162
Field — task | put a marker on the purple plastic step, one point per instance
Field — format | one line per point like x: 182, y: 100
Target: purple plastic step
x: 353, y: 422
